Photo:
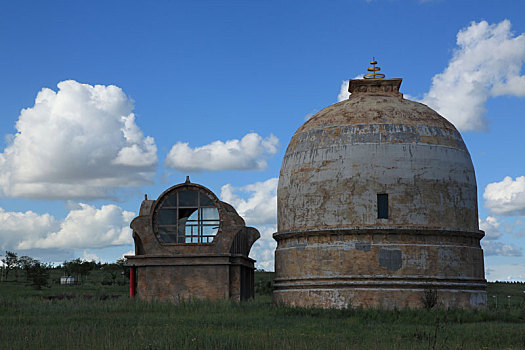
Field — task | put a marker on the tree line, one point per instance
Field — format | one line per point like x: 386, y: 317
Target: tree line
x: 37, y: 272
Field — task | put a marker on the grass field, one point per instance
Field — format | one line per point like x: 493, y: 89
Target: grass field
x: 96, y: 316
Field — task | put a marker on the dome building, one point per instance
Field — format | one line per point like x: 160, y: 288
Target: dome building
x: 191, y: 245
x: 377, y: 207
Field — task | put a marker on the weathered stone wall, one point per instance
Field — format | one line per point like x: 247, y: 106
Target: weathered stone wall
x: 336, y: 164
x: 370, y: 268
x: 334, y: 251
x: 183, y: 282
x: 176, y: 271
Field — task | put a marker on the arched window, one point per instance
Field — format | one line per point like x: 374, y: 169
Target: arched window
x: 186, y: 216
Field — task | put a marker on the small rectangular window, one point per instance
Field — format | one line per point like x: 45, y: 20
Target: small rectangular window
x: 382, y: 206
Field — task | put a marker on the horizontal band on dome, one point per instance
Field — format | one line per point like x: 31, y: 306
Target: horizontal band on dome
x: 387, y: 284
x: 379, y: 277
x: 359, y: 230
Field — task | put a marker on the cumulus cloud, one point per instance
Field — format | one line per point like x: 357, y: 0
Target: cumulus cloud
x: 261, y: 205
x: 84, y: 227
x: 79, y: 142
x: 129, y: 252
x: 87, y: 256
x: 263, y: 251
x: 506, y: 197
x: 486, y: 63
x: 257, y: 204
x: 29, y: 225
x: 500, y: 249
x: 491, y: 227
x: 344, y: 94
x: 248, y: 153
x: 343, y: 91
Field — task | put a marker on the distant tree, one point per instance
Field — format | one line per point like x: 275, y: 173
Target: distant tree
x: 66, y: 268
x: 38, y: 274
x: 26, y: 263
x: 78, y: 267
x: 10, y: 261
x: 125, y: 269
x: 86, y: 267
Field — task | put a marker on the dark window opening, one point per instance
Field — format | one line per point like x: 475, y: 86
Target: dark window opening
x: 382, y: 206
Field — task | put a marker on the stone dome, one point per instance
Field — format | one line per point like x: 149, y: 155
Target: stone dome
x: 377, y: 142
x: 377, y: 203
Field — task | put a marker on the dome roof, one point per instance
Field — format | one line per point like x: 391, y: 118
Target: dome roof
x: 377, y: 143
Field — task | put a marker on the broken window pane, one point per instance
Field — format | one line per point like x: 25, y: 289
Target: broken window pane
x: 187, y: 217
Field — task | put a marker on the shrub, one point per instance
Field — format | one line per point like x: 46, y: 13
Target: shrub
x: 429, y: 298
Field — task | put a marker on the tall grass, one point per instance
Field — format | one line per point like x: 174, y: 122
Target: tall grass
x: 85, y: 321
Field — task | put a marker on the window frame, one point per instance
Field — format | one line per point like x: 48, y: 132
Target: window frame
x: 197, y: 234
x: 382, y: 206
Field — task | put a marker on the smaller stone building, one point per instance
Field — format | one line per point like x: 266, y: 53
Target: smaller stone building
x: 189, y: 244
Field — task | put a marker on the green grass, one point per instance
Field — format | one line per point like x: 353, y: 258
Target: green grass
x: 84, y: 321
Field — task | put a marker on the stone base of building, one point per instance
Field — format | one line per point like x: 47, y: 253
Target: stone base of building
x: 379, y: 268
x: 211, y: 277
x: 380, y: 298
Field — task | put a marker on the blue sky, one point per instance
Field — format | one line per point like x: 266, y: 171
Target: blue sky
x: 97, y: 101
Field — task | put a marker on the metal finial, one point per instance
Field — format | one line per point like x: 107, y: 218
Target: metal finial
x: 187, y: 179
x: 374, y: 69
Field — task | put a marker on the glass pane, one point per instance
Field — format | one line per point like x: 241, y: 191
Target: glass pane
x: 168, y: 235
x: 209, y: 214
x: 188, y: 198
x: 194, y: 216
x: 210, y: 230
x: 167, y: 217
x: 191, y: 230
x: 206, y: 201
x: 188, y: 217
x: 171, y: 201
x: 185, y: 213
x: 181, y: 232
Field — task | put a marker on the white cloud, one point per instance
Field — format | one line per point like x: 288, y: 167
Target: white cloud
x: 248, y: 153
x: 257, y: 204
x: 15, y: 226
x: 83, y: 228
x: 78, y: 142
x: 263, y: 251
x: 129, y: 252
x: 505, y: 272
x: 500, y: 249
x: 491, y: 227
x: 344, y: 94
x: 343, y: 91
x: 518, y: 227
x: 260, y: 207
x: 506, y: 197
x: 487, y: 63
x: 86, y: 256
